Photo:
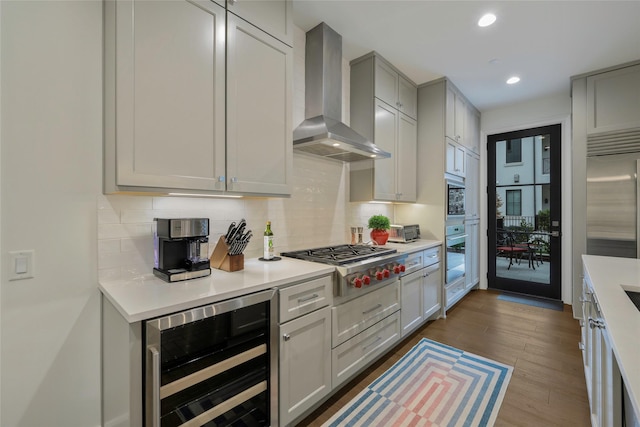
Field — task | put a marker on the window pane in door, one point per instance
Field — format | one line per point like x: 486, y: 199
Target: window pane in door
x: 514, y: 202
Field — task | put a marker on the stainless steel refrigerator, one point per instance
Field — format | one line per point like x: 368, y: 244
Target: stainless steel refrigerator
x: 612, y: 205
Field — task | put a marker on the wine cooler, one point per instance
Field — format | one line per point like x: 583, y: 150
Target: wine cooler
x: 214, y: 365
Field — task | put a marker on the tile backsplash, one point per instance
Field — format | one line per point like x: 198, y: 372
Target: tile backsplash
x: 317, y: 214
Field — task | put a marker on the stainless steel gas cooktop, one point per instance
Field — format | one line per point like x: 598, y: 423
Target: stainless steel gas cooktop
x: 358, y: 267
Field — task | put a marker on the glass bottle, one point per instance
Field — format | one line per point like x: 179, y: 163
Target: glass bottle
x: 268, y: 242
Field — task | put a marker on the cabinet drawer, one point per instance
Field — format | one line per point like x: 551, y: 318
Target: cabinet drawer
x: 353, y: 317
x: 305, y: 297
x: 350, y: 357
x: 432, y: 256
x: 414, y: 262
x: 454, y: 292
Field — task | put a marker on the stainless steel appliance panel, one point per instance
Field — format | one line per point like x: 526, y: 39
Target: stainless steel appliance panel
x: 612, y: 205
x: 455, y: 238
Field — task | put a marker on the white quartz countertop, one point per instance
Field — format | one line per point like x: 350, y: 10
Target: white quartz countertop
x: 608, y: 275
x: 147, y: 296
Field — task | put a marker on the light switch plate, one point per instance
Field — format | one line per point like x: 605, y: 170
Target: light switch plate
x: 21, y: 264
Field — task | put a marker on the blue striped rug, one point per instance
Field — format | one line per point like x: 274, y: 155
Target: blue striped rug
x: 432, y: 385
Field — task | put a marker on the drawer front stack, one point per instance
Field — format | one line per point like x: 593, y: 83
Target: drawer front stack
x: 363, y: 329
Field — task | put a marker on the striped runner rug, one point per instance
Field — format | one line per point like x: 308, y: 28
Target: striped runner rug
x: 432, y: 385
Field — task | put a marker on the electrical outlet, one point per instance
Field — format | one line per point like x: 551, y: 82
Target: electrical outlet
x: 21, y: 264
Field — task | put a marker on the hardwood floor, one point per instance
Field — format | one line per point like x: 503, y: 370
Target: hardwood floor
x: 547, y: 387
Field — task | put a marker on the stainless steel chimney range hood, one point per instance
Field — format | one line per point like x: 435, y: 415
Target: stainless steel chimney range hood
x: 322, y: 133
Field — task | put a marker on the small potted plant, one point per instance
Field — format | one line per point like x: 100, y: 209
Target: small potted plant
x: 379, y: 224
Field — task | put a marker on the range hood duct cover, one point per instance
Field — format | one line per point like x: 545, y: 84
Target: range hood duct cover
x: 322, y: 133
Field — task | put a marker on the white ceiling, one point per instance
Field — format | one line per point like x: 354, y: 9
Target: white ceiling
x: 542, y: 42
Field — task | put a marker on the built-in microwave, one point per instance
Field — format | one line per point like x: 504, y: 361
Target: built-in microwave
x: 455, y: 198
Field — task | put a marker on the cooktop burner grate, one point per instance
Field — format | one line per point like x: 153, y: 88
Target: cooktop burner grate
x: 339, y: 255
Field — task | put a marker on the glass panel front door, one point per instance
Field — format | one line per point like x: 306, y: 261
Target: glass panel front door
x: 524, y: 193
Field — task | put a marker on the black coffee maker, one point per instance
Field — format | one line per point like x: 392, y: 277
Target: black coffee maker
x: 181, y: 248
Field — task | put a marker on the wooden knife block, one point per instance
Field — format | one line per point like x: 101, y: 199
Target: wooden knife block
x: 221, y: 259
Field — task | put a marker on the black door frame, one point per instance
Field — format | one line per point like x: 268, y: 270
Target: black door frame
x: 554, y: 289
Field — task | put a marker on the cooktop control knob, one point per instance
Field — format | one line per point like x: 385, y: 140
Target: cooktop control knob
x: 379, y: 275
x: 357, y: 282
x: 366, y: 280
x: 386, y: 273
x: 402, y: 268
x: 396, y: 269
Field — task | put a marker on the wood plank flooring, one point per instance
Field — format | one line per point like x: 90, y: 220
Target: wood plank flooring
x: 547, y: 387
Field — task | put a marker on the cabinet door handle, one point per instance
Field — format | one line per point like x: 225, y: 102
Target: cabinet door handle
x: 581, y: 346
x: 309, y: 298
x: 286, y: 337
x: 372, y: 309
x: 234, y: 179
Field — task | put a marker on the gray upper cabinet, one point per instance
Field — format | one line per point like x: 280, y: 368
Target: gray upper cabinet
x: 272, y: 16
x: 165, y: 95
x: 173, y: 97
x: 375, y: 113
x: 392, y: 87
x: 259, y: 111
x: 613, y: 100
x: 472, y: 129
x: 456, y: 114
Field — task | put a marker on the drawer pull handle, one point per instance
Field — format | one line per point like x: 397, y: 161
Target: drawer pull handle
x: 309, y: 298
x: 286, y: 337
x: 372, y: 309
x: 365, y: 348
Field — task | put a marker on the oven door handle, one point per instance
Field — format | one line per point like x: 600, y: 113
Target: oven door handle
x: 454, y: 238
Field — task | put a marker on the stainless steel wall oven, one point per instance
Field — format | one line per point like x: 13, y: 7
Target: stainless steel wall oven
x: 456, y: 238
x: 214, y: 365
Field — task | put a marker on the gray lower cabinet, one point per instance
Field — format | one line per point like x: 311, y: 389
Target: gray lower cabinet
x: 411, y: 313
x: 421, y: 289
x: 305, y: 363
x: 472, y: 253
x: 305, y: 346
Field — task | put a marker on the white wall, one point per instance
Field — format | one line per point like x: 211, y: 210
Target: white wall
x: 538, y: 112
x: 51, y: 146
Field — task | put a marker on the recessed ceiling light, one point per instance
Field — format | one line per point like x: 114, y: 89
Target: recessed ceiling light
x: 487, y: 20
x: 336, y: 144
x: 513, y: 80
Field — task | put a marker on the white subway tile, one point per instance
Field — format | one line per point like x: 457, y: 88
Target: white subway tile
x: 137, y: 216
x: 108, y: 216
x: 108, y: 245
